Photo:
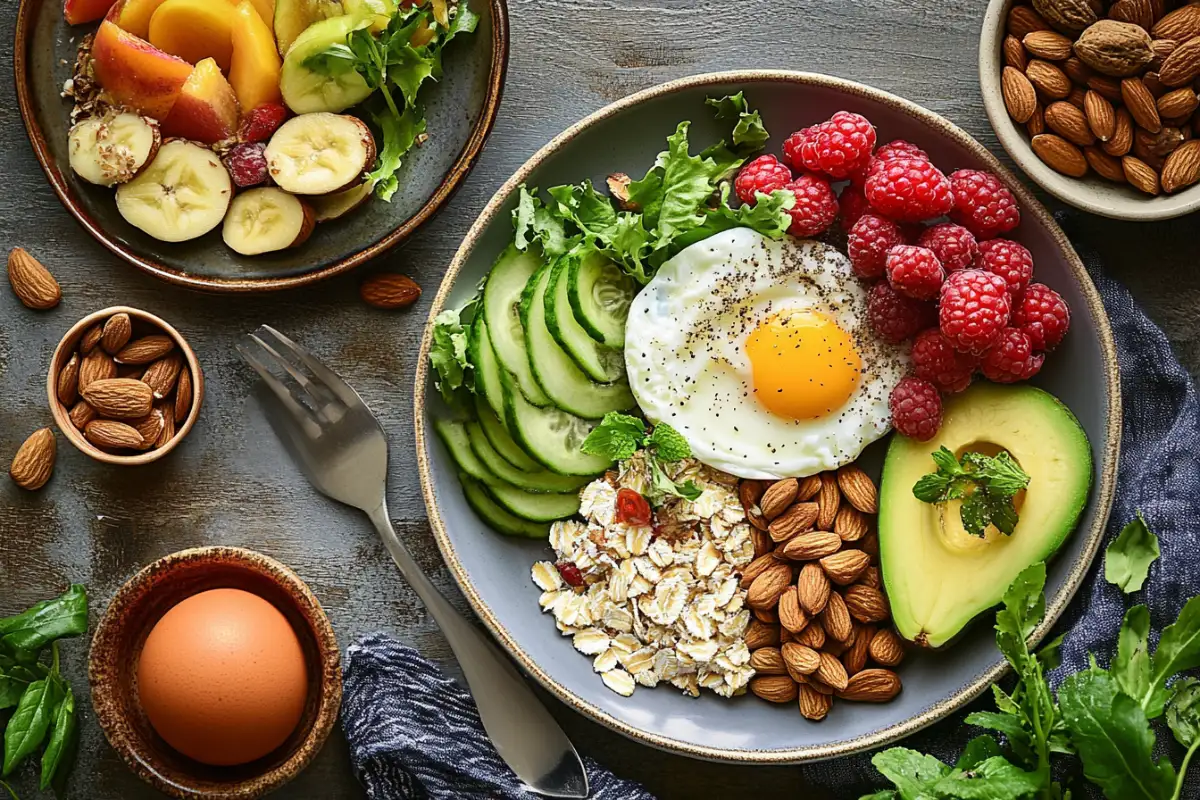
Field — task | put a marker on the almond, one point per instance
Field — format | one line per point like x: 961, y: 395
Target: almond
x: 1122, y: 138
x: 119, y: 398
x: 835, y: 647
x: 750, y: 492
x: 81, y: 414
x: 785, y: 636
x: 1152, y: 146
x: 1020, y: 98
x: 758, y: 634
x: 831, y: 672
x: 791, y: 616
x: 763, y: 543
x: 812, y: 636
x: 757, y: 567
x: 118, y: 330
x: 855, y: 659
x: 1077, y: 71
x: 837, y: 619
x: 145, y: 349
x: 797, y: 519
x: 774, y: 688
x: 850, y: 524
x: 846, y: 567
x: 1068, y: 16
x: 33, y: 464
x: 886, y: 647
x: 1049, y: 45
x: 168, y: 431
x: 1178, y: 103
x: 765, y: 590
x: 810, y: 487
x: 809, y: 546
x: 1048, y: 79
x: 866, y: 603
x: 1014, y: 53
x: 768, y: 615
x: 31, y: 282
x: 162, y: 375
x: 1100, y: 114
x: 1023, y: 20
x: 183, y: 395
x: 768, y: 661
x: 1182, y: 167
x: 67, y: 385
x: 1070, y: 123
x: 1104, y: 165
x: 91, y: 337
x: 1140, y: 175
x: 778, y: 496
x: 818, y: 686
x: 1183, y: 65
x: 1060, y: 155
x: 1076, y: 97
x: 800, y: 659
x: 389, y: 290
x: 828, y: 501
x: 96, y: 366
x: 858, y: 488
x: 871, y: 577
x: 1135, y: 12
x: 1115, y: 48
x: 869, y: 544
x: 1180, y: 25
x: 113, y: 435
x: 871, y: 686
x: 1141, y: 104
x: 150, y: 428
x: 1109, y: 87
x: 813, y: 704
x: 812, y: 588
x: 1161, y: 49
x: 618, y: 187
x: 1037, y: 122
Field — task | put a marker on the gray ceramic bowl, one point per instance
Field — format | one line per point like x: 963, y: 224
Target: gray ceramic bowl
x: 1091, y: 193
x: 461, y: 109
x: 493, y: 571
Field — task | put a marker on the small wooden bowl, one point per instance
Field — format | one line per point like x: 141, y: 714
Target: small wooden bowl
x: 143, y: 323
x: 117, y: 646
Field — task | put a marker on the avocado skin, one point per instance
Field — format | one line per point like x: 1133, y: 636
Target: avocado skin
x: 921, y: 574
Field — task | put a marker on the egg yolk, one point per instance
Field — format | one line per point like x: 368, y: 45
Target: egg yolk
x: 804, y: 365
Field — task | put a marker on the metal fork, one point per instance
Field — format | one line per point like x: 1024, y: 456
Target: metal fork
x: 342, y: 449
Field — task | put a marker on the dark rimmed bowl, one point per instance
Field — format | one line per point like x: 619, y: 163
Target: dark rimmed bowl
x: 493, y: 570
x: 117, y: 645
x: 461, y: 109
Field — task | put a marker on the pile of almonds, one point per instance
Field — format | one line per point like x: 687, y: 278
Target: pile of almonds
x: 814, y: 588
x: 125, y: 392
x: 1108, y: 88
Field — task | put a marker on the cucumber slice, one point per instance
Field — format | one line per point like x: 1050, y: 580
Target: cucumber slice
x: 501, y: 302
x: 497, y: 517
x: 454, y: 436
x: 598, y: 362
x: 539, y: 481
x: 550, y: 435
x: 533, y: 507
x: 600, y: 294
x: 499, y: 438
x: 487, y: 368
x: 563, y: 382
x: 306, y: 90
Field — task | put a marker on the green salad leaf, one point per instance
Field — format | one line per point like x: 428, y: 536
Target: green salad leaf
x: 619, y: 436
x: 448, y: 354
x: 1127, y: 560
x: 749, y: 134
x: 1183, y: 711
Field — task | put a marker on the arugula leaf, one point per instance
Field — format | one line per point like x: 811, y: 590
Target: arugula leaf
x: 27, y: 633
x: 399, y: 133
x: 1132, y: 665
x: 1024, y: 608
x: 29, y: 723
x: 1178, y: 651
x: 63, y: 736
x: 668, y: 443
x: 978, y: 750
x: 1127, y: 560
x: 448, y: 354
x: 986, y: 484
x: 1183, y: 712
x: 749, y: 133
x: 993, y: 779
x: 912, y: 773
x: 617, y: 437
x: 1012, y: 725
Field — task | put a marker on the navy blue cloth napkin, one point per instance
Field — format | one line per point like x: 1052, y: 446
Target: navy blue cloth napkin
x: 415, y: 734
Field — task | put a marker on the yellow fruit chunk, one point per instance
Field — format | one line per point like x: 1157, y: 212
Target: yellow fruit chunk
x: 266, y: 12
x: 254, y: 71
x: 195, y: 30
x: 207, y: 108
x: 135, y: 16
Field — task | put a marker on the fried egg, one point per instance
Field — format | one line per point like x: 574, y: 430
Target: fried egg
x: 758, y: 351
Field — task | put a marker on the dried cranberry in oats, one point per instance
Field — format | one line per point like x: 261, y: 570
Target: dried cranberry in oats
x: 570, y: 573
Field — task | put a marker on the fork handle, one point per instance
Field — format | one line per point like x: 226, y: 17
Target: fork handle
x: 522, y: 730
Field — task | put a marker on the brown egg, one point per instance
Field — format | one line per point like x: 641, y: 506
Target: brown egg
x: 222, y: 677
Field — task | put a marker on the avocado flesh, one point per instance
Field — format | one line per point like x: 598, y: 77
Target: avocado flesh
x: 939, y: 577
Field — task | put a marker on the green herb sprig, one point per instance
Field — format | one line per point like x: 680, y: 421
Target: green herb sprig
x: 619, y: 436
x: 985, y: 484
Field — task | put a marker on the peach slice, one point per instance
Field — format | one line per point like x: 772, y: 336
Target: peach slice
x: 134, y: 16
x: 266, y: 12
x: 79, y: 11
x: 135, y: 73
x: 254, y: 71
x: 194, y: 30
x: 207, y: 109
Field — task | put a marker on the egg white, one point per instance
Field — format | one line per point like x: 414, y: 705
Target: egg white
x: 685, y: 353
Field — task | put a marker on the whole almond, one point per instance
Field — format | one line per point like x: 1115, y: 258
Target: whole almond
x: 818, y: 686
x: 836, y: 618
x: 791, y: 616
x: 388, y: 290
x: 871, y: 686
x: 1183, y: 65
x: 1077, y: 71
x: 757, y: 567
x: 67, y: 385
x: 146, y: 349
x: 117, y: 332
x: 1180, y: 25
x: 91, y: 337
x: 768, y: 661
x: 812, y: 588
x: 809, y: 546
x: 1037, y: 121
x: 750, y: 492
x: 1104, y: 165
x: 1161, y: 49
x: 828, y: 501
x: 81, y: 414
x: 846, y: 567
x: 31, y: 282
x: 814, y: 705
x: 113, y: 435
x: 96, y: 366
x: 1122, y: 138
x: 1178, y: 103
x: 168, y: 431
x: 1100, y: 114
x: 800, y: 659
x: 33, y: 464
x: 765, y: 590
x: 777, y: 497
x: 119, y: 398
x: 1020, y: 98
x: 162, y: 375
x: 1014, y: 53
x: 850, y: 524
x: 1060, y: 155
x: 1049, y: 45
x: 183, y: 395
x: 767, y: 615
x: 1136, y: 12
x: 886, y: 647
x: 1109, y: 87
x: 831, y: 672
x: 758, y: 634
x: 1023, y: 20
x: 855, y: 659
x: 866, y: 603
x: 150, y: 427
x: 798, y: 518
x: 1182, y: 167
x: 1070, y: 123
x: 858, y: 488
x: 1048, y: 79
x: 1154, y: 85
x: 1067, y: 16
x: 1115, y: 48
x: 809, y: 488
x: 1140, y: 175
x: 1152, y: 146
x: 813, y: 635
x: 774, y: 688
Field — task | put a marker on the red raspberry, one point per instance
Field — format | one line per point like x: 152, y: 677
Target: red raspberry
x: 853, y: 204
x: 953, y: 244
x: 1012, y: 358
x: 868, y: 243
x: 897, y: 148
x: 909, y: 190
x: 570, y: 573
x: 793, y: 143
x: 895, y: 317
x: 974, y: 309
x: 1043, y: 314
x: 764, y: 174
x: 1009, y: 260
x: 261, y: 122
x: 935, y: 360
x: 816, y: 205
x: 247, y: 164
x: 916, y: 408
x: 839, y: 147
x: 915, y: 271
x: 982, y: 204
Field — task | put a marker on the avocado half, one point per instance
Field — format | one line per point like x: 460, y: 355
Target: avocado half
x: 938, y: 576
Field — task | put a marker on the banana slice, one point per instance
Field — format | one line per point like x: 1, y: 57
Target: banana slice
x: 320, y: 153
x: 334, y: 206
x: 265, y: 220
x: 182, y: 194
x: 113, y: 148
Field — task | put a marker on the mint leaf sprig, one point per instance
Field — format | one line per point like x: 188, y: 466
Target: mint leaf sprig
x: 985, y: 484
x: 619, y: 436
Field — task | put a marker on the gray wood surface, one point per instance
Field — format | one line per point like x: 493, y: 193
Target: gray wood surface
x: 231, y: 484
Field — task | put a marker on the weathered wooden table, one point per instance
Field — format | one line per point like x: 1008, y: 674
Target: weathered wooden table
x: 230, y: 483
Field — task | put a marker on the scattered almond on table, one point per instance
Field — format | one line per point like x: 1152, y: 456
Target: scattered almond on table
x: 31, y: 282
x: 34, y: 462
x: 389, y: 290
